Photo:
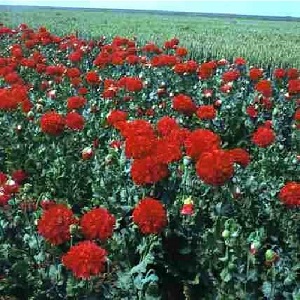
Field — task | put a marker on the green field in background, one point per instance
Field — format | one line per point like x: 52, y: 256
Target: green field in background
x: 261, y: 42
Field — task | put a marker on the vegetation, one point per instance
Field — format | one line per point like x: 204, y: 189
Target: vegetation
x: 261, y: 42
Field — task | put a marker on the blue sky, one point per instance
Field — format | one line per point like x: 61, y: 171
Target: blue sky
x: 269, y: 8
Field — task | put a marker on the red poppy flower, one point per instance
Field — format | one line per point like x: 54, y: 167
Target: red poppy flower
x: 200, y: 141
x: 52, y: 123
x: 150, y: 216
x: 184, y: 104
x: 85, y: 259
x: 98, y: 223
x: 75, y: 102
x: 290, y: 194
x: 215, y: 168
x: 74, y: 121
x: 148, y: 171
x: 263, y: 137
x: 54, y: 224
x: 206, y: 112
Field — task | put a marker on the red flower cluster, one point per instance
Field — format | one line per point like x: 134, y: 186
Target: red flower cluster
x: 9, y: 187
x: 290, y: 194
x: 116, y: 116
x: 150, y: 216
x: 279, y: 73
x: 206, y: 70
x: 184, y: 104
x: 75, y: 102
x: 166, y: 125
x: 54, y: 224
x: 206, y: 112
x: 148, y: 171
x: 92, y: 78
x: 98, y: 223
x: 230, y: 76
x: 263, y: 137
x: 240, y: 156
x: 264, y: 87
x: 255, y: 74
x: 215, y: 167
x: 74, y: 121
x: 294, y: 86
x: 52, y: 123
x: 131, y: 84
x: 139, y: 146
x: 200, y: 141
x: 85, y: 259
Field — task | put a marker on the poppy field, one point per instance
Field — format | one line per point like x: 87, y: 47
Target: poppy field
x: 130, y: 170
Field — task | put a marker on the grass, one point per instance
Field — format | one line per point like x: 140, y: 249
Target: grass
x: 261, y: 42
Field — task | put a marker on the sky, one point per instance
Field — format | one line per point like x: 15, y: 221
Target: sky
x: 258, y: 7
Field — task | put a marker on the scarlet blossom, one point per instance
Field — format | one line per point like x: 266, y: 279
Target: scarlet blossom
x: 165, y: 125
x: 73, y: 72
x: 92, y: 77
x: 240, y: 61
x: 184, y: 104
x: 75, y: 56
x: 54, y: 224
x: 292, y: 73
x: 181, y: 51
x: 255, y: 74
x: 263, y: 137
x: 74, y: 121
x: 200, y: 141
x: 98, y: 223
x: 136, y: 127
x: 167, y: 150
x: 52, y: 123
x: 3, y: 178
x: 132, y: 59
x: 19, y: 176
x: 139, y: 146
x: 150, y: 216
x: 290, y: 194
x: 294, y: 86
x: 264, y: 87
x: 230, y: 76
x: 116, y: 116
x: 252, y: 111
x: 180, y: 68
x: 187, y: 209
x: 82, y: 90
x: 131, y: 84
x: 76, y: 81
x: 206, y: 70
x: 148, y: 171
x: 7, y: 101
x: 206, y: 112
x: 279, y: 73
x: 10, y: 187
x: 4, y: 198
x: 75, y: 102
x: 191, y: 66
x: 85, y: 259
x: 215, y: 167
x: 240, y: 156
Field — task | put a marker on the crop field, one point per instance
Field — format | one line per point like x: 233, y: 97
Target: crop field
x: 261, y: 42
x: 155, y: 157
